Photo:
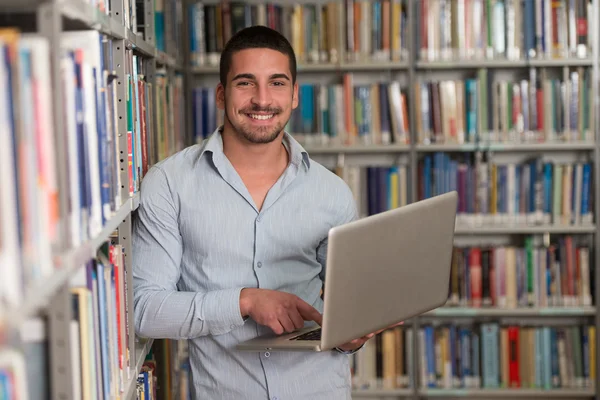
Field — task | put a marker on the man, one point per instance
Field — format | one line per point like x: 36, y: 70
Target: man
x: 230, y: 241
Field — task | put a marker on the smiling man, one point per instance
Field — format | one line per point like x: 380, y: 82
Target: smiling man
x: 230, y: 241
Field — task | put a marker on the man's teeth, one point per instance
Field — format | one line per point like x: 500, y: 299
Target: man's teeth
x: 256, y: 116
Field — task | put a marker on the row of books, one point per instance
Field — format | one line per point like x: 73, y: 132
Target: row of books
x: 534, y: 275
x: 540, y: 109
x: 31, y: 197
x: 491, y: 355
x: 342, y: 113
x: 533, y: 192
x: 147, y: 382
x: 376, y: 188
x: 168, y: 21
x: 377, y: 30
x: 351, y: 114
x: 385, y: 361
x: 102, y: 364
x: 30, y: 207
x: 543, y: 108
x: 507, y: 29
x: 102, y: 357
x: 311, y: 28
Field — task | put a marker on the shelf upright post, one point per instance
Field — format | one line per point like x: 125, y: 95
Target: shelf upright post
x: 125, y: 240
x: 412, y: 80
x: 149, y: 22
x: 59, y: 314
x: 413, y: 18
x: 119, y: 61
x: 116, y: 12
x: 50, y: 25
x: 188, y: 87
x: 596, y: 110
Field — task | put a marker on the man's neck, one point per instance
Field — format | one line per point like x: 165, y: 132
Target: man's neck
x: 253, y: 157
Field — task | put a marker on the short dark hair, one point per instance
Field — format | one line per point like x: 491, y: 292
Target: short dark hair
x: 256, y: 37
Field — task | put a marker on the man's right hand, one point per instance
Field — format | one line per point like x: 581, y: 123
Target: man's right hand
x: 282, y: 312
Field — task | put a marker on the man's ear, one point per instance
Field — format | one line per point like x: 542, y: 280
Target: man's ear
x: 295, y: 96
x: 220, y: 96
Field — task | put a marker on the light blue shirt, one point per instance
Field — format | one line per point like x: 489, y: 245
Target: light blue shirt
x: 199, y: 239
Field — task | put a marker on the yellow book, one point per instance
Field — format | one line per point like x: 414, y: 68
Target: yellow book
x: 87, y: 351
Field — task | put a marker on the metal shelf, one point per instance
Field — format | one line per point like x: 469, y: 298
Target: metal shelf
x: 374, y: 65
x: 467, y: 147
x: 490, y: 393
x: 135, y: 202
x: 524, y: 229
x: 39, y: 294
x: 448, y: 311
x: 503, y: 63
x: 166, y: 59
x: 381, y: 392
x: 509, y: 147
x: 392, y: 148
x: 481, y: 63
x: 570, y: 62
x: 92, y: 17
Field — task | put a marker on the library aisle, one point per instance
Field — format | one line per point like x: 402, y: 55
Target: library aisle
x: 404, y: 99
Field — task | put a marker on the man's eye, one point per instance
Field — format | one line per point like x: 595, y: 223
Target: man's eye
x: 243, y: 83
x: 278, y: 83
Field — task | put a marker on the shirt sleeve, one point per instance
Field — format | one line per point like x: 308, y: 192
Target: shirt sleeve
x: 161, y: 311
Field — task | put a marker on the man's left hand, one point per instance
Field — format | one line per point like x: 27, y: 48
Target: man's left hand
x: 356, y: 343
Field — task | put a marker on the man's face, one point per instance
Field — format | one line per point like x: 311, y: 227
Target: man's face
x: 259, y: 96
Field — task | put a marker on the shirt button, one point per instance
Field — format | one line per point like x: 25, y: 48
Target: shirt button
x: 258, y: 219
x: 275, y: 398
x: 259, y: 264
x: 267, y: 354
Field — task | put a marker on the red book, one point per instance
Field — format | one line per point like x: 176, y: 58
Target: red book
x: 475, y: 273
x: 514, y: 379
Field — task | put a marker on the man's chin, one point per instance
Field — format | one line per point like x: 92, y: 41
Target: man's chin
x: 260, y: 137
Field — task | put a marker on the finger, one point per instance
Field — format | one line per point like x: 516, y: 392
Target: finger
x: 297, y: 319
x: 276, y: 327
x: 309, y: 313
x: 286, y: 323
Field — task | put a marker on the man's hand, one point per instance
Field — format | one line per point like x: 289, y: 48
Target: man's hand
x: 356, y: 343
x: 280, y: 311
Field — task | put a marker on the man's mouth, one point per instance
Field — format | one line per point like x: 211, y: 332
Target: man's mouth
x: 261, y: 117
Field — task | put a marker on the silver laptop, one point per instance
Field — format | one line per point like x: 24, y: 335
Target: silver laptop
x: 381, y: 270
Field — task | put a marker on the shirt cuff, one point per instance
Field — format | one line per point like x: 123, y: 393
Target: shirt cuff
x: 221, y: 310
x: 349, y: 352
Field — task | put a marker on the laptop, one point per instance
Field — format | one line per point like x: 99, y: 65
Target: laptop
x: 381, y: 270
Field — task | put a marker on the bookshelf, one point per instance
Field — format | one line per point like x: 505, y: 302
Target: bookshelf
x: 91, y: 95
x: 507, y: 60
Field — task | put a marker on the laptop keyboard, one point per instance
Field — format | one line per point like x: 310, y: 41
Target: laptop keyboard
x: 312, y: 335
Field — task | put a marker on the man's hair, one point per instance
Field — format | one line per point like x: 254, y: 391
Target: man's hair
x: 256, y: 37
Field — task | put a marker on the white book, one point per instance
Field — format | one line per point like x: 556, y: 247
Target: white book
x: 76, y: 212
x: 46, y: 200
x: 90, y: 41
x: 10, y: 256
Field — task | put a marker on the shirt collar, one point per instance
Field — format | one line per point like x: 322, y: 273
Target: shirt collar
x: 298, y: 155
